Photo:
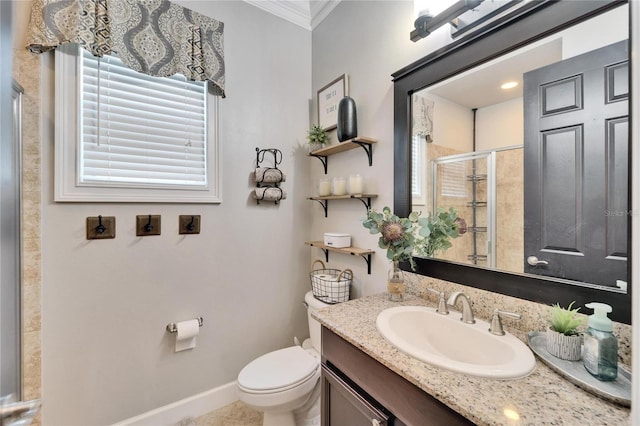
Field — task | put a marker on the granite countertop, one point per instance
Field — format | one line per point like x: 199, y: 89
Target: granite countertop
x: 543, y: 397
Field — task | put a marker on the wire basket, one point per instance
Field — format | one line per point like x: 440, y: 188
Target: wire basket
x: 330, y: 285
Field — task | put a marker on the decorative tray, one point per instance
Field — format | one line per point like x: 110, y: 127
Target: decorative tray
x: 618, y: 390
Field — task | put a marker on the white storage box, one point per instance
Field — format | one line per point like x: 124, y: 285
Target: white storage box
x: 337, y: 240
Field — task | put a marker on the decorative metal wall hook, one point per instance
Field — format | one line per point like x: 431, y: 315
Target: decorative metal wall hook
x: 100, y: 228
x: 191, y: 226
x: 148, y: 227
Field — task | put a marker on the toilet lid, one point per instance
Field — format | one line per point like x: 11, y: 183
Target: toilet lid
x: 278, y: 369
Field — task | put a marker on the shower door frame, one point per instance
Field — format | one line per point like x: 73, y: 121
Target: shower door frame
x: 490, y: 156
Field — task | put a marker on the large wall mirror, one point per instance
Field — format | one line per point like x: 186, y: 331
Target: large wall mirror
x: 523, y: 128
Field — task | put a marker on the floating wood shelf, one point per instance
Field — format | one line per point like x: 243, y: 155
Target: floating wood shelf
x: 324, y: 200
x: 361, y: 141
x: 353, y: 251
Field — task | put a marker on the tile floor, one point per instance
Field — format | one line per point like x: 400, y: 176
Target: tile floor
x: 236, y: 414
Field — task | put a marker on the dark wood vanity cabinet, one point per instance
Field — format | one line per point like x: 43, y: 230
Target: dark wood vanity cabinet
x: 344, y: 404
x: 357, y: 390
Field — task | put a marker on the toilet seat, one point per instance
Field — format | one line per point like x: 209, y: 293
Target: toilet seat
x: 278, y: 371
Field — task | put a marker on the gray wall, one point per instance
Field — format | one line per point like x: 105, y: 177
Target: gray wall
x: 106, y: 354
x: 367, y: 40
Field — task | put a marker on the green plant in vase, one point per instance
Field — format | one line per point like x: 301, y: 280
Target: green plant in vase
x: 397, y: 236
x: 563, y: 337
x: 317, y: 138
x: 564, y: 320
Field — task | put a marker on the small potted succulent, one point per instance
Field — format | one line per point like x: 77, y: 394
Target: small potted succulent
x: 563, y: 338
x: 317, y: 138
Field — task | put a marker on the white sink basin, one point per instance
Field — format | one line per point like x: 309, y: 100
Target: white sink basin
x: 447, y: 342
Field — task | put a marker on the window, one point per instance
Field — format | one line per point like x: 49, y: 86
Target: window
x: 418, y: 158
x: 123, y: 136
x: 453, y: 179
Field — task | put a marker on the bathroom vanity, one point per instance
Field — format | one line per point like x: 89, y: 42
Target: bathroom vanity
x: 368, y: 381
x: 357, y: 389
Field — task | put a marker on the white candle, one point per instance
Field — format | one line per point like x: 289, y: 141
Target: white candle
x: 324, y: 187
x: 339, y: 186
x: 355, y: 184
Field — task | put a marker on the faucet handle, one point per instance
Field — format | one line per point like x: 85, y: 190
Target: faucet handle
x: 442, y: 303
x: 496, y: 322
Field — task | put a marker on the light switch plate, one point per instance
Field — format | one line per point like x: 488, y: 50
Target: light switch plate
x: 189, y: 224
x: 101, y: 227
x: 147, y: 224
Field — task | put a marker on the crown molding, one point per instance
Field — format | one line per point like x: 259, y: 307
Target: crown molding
x: 320, y: 10
x: 296, y: 12
x: 306, y: 14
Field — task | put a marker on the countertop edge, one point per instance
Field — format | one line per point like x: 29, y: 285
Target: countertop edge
x: 360, y: 331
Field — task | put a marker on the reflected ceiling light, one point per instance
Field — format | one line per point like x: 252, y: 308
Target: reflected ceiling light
x: 509, y: 85
x: 426, y: 23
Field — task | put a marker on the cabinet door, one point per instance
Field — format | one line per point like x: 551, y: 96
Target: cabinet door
x: 344, y: 406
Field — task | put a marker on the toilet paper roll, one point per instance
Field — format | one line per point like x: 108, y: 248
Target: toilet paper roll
x: 186, y: 334
x: 324, y: 276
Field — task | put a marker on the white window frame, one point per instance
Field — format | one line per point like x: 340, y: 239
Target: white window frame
x: 418, y: 175
x: 67, y: 148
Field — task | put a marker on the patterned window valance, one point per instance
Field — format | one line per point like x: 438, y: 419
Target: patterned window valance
x: 155, y: 37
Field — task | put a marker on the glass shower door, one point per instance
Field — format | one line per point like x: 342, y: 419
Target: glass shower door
x: 466, y: 183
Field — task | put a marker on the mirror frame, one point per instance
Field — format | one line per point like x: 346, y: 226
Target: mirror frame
x: 533, y: 21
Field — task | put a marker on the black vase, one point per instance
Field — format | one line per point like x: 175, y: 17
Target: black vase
x: 347, y: 119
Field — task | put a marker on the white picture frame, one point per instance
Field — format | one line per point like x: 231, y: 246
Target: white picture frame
x: 327, y: 102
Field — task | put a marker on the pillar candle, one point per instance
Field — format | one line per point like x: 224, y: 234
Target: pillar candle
x: 324, y: 187
x: 339, y: 186
x: 355, y: 184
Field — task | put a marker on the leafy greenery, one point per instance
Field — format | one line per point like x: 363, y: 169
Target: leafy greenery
x: 437, y: 229
x: 396, y: 234
x: 317, y: 135
x: 564, y: 320
x: 402, y: 237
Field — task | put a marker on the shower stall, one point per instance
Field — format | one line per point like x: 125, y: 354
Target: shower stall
x: 470, y: 183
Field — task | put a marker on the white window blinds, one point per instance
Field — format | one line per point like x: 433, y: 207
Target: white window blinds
x: 140, y: 131
x: 453, y: 179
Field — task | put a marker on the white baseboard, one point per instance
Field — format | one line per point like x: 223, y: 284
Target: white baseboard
x: 193, y: 406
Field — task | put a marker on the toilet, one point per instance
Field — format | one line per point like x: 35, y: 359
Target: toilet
x: 286, y: 380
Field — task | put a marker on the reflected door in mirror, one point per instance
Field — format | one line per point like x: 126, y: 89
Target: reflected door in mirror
x: 576, y: 155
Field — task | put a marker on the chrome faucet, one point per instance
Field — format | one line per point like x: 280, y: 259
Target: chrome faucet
x: 496, y: 321
x: 442, y: 304
x: 467, y: 312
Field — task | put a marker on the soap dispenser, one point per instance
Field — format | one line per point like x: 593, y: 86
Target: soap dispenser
x: 600, y: 355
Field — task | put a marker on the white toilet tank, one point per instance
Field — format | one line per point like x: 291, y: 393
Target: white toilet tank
x: 314, y: 304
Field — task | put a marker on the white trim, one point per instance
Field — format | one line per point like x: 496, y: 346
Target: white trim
x: 306, y: 14
x: 296, y: 12
x: 635, y: 205
x: 320, y: 10
x: 193, y: 406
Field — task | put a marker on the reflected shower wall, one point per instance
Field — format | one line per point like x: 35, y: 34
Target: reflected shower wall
x: 471, y: 183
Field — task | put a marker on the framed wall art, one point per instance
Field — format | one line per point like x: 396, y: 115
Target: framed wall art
x: 328, y: 98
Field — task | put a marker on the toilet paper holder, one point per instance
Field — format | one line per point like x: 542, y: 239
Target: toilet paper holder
x: 173, y: 328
